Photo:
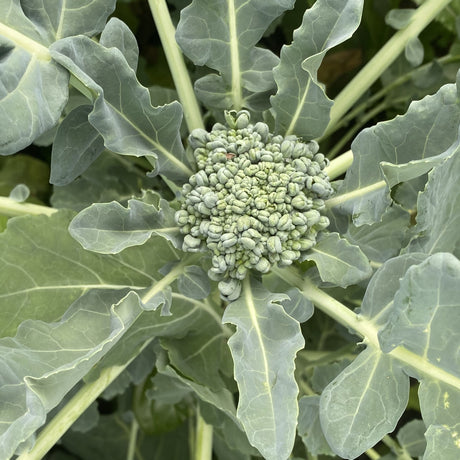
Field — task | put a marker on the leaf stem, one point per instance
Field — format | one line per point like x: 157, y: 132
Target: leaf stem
x: 203, y: 440
x: 339, y: 165
x: 370, y: 101
x: 383, y: 59
x: 176, y: 64
x: 132, y: 439
x: 56, y: 428
x: 363, y: 327
x: 11, y: 208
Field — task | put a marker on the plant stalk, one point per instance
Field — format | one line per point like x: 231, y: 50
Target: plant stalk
x: 11, y: 208
x: 179, y: 72
x: 363, y: 327
x: 339, y: 165
x: 383, y: 59
x: 203, y: 439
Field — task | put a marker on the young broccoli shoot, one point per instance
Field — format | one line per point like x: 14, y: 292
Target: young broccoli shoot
x: 255, y: 201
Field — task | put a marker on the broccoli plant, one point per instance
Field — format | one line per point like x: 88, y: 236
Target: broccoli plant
x: 229, y: 264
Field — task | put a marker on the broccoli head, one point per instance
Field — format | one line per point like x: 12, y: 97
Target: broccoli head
x: 255, y: 201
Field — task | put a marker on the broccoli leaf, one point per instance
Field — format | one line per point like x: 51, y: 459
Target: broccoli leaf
x: 263, y: 350
x: 301, y: 106
x: 109, y: 228
x: 46, y: 269
x: 363, y: 403
x: 222, y: 35
x: 428, y: 129
x: 338, y: 261
x: 438, y: 216
x: 127, y: 121
x: 34, y: 89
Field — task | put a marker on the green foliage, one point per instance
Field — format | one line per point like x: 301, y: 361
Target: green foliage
x: 204, y: 283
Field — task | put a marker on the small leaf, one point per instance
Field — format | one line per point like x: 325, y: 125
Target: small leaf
x: 263, y: 348
x: 301, y: 105
x: 414, y: 52
x: 109, y: 228
x: 19, y: 193
x: 363, y: 403
x: 338, y: 261
x: 298, y: 306
x: 194, y: 283
x: 399, y: 18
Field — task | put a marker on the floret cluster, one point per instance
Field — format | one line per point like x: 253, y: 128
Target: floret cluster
x: 255, y: 201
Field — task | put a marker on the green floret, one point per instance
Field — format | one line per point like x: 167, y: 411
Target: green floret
x: 255, y: 201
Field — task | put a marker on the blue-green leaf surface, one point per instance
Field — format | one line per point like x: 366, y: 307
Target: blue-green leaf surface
x: 426, y: 313
x: 297, y: 306
x: 263, y: 349
x: 428, y: 129
x: 117, y: 34
x: 440, y: 406
x: 45, y: 360
x: 309, y: 427
x: 438, y: 211
x: 109, y: 228
x: 44, y: 269
x: 194, y: 283
x: 301, y: 107
x: 76, y: 145
x: 34, y: 89
x: 338, y: 261
x: 110, y: 177
x: 411, y: 437
x: 222, y: 35
x: 122, y: 112
x: 363, y: 403
x: 382, y: 240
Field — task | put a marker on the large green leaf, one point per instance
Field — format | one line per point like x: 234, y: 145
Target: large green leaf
x: 363, y: 403
x: 222, y: 35
x: 45, y: 360
x: 109, y: 228
x: 424, y: 318
x: 45, y: 269
x: 425, y: 315
x: 338, y: 261
x: 263, y: 349
x: 122, y: 112
x: 438, y: 211
x: 301, y: 105
x: 428, y: 129
x: 34, y: 89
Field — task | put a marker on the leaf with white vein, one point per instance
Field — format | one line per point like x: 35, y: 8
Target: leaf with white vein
x: 338, y: 261
x: 263, y: 349
x: 301, y: 106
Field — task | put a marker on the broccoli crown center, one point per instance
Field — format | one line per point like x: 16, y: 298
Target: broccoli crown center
x: 256, y: 199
